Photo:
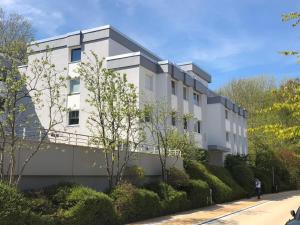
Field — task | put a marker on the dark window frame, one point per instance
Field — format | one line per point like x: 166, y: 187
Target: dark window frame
x: 173, y: 119
x: 73, y: 119
x: 75, y: 54
x: 196, y: 99
x: 173, y: 86
x: 185, y: 123
x: 70, y: 86
x: 185, y: 93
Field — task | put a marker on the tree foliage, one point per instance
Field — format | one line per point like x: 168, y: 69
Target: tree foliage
x: 15, y: 33
x: 294, y: 17
x: 114, y: 116
x: 286, y: 111
x: 162, y: 136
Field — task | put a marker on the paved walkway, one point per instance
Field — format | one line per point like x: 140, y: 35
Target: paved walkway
x: 217, y: 212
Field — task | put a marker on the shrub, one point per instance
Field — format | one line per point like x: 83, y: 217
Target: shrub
x: 244, y: 176
x: 177, y: 178
x: 15, y: 208
x: 224, y: 175
x: 89, y: 207
x: 135, y: 175
x: 198, y: 193
x: 234, y: 160
x: 220, y: 191
x: 58, y: 193
x: 134, y: 204
x: 172, y: 200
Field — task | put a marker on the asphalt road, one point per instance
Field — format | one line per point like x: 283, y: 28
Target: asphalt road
x: 275, y: 211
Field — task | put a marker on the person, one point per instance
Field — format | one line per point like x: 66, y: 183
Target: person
x: 258, y: 188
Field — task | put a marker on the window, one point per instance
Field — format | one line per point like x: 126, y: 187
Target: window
x: 226, y: 114
x: 149, y: 82
x: 234, y: 138
x: 75, y: 54
x: 147, y: 116
x: 227, y: 137
x: 2, y: 102
x: 73, y: 117
x: 197, y: 127
x: 185, y: 123
x: 173, y: 84
x: 173, y: 119
x: 185, y: 93
x: 196, y: 98
x: 74, y: 86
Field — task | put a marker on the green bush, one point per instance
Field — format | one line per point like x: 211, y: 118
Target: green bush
x: 135, y: 175
x: 15, y: 208
x: 177, y: 178
x: 171, y: 200
x: 58, y: 193
x: 245, y: 177
x: 198, y: 193
x: 133, y: 204
x: 221, y: 192
x: 234, y: 160
x: 223, y: 174
x: 89, y: 207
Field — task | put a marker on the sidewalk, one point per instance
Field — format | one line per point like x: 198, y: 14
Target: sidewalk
x: 206, y: 214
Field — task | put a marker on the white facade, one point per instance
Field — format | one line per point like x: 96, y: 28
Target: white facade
x: 183, y: 86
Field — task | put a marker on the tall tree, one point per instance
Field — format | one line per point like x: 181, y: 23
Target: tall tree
x: 113, y: 116
x: 162, y: 135
x: 253, y: 94
x: 46, y: 84
x: 286, y: 110
x: 39, y: 86
x: 15, y: 33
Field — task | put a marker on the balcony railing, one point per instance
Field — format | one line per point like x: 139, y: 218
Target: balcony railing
x: 63, y: 137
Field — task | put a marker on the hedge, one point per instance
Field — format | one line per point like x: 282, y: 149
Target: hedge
x: 15, y: 209
x: 221, y: 192
x: 177, y: 178
x: 245, y: 177
x: 223, y: 174
x: 134, y: 175
x: 172, y: 201
x: 133, y: 204
x: 73, y: 204
x: 89, y: 207
x: 198, y: 193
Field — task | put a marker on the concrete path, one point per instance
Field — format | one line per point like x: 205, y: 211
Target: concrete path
x: 271, y: 209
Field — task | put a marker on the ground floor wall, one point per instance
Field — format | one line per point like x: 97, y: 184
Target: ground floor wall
x: 55, y: 163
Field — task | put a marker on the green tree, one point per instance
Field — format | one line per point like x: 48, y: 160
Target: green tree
x: 254, y: 94
x: 286, y: 111
x: 114, y: 116
x: 38, y: 86
x: 162, y: 136
x: 15, y: 33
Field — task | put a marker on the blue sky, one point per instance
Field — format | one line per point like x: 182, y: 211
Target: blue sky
x: 227, y: 38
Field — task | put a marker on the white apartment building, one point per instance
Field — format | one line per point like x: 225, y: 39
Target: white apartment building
x: 219, y: 125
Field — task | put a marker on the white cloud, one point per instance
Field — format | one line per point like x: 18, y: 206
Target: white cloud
x: 6, y: 2
x: 45, y: 21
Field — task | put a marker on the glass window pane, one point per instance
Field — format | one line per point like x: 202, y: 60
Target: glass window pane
x: 73, y: 117
x: 173, y: 87
x: 74, y: 86
x: 75, y: 54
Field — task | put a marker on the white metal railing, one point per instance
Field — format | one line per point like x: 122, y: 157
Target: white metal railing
x: 63, y: 137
